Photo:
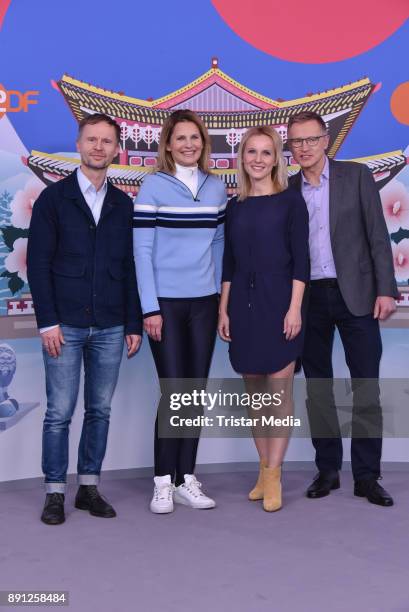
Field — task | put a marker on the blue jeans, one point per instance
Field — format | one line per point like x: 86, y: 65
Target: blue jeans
x: 101, y: 350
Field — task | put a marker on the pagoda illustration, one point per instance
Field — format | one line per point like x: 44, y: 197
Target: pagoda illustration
x: 227, y: 109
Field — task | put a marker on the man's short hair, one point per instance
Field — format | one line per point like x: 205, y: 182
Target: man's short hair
x: 307, y: 116
x: 99, y: 118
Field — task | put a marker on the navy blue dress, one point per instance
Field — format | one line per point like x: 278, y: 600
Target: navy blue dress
x: 266, y: 247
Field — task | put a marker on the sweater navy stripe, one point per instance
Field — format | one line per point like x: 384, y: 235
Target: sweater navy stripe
x: 171, y: 262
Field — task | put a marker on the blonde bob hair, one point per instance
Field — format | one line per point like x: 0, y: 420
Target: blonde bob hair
x: 279, y: 174
x: 165, y: 161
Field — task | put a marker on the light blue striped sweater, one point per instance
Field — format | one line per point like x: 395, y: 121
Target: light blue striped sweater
x: 178, y: 238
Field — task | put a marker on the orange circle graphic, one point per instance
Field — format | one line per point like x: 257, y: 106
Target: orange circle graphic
x: 400, y: 103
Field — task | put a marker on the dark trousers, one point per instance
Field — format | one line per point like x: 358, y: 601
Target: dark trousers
x: 185, y: 351
x: 362, y: 344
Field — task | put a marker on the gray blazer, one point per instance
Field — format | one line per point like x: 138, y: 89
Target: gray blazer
x: 359, y: 237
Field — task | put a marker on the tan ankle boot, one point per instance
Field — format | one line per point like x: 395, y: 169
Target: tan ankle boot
x: 258, y: 491
x: 272, y: 489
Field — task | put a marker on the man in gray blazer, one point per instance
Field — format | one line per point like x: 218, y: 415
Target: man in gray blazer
x: 352, y: 287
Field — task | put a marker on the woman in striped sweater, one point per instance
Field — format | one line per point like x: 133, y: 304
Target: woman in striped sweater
x: 178, y: 249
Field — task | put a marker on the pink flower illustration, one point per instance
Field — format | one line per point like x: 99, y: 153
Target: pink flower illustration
x: 395, y: 202
x: 16, y: 261
x: 22, y: 203
x: 401, y: 260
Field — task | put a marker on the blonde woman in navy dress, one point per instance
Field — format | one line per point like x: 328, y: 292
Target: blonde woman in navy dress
x: 265, y: 269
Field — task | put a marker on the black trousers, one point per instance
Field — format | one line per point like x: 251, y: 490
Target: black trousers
x: 362, y: 344
x: 185, y: 351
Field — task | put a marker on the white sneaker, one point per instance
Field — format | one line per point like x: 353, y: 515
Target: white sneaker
x: 189, y: 493
x: 162, y: 500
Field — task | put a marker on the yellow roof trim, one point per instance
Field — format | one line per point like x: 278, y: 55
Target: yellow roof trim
x: 77, y: 161
x: 325, y: 94
x: 105, y: 92
x: 154, y: 103
x: 206, y: 76
x: 370, y: 157
x: 361, y: 159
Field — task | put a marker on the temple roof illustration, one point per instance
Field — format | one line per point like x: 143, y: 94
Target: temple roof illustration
x: 222, y: 102
x: 51, y: 168
x: 227, y: 108
x: 214, y: 91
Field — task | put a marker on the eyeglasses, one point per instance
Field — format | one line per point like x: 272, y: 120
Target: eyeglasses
x: 311, y: 141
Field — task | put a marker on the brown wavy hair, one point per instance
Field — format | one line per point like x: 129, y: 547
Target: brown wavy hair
x: 165, y: 161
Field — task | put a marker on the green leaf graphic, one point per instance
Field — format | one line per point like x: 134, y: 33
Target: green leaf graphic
x: 15, y: 284
x: 10, y: 235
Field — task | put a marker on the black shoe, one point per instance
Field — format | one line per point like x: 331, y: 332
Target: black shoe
x: 374, y: 493
x: 88, y: 498
x: 323, y: 484
x: 53, y: 512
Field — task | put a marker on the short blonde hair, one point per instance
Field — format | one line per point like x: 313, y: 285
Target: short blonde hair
x: 165, y: 161
x: 279, y: 174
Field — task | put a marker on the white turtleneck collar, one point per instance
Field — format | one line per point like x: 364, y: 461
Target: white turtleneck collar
x: 189, y: 175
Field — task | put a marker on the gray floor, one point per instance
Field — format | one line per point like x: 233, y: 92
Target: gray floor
x: 334, y: 554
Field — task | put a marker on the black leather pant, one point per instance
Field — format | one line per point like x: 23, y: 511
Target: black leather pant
x: 185, y: 351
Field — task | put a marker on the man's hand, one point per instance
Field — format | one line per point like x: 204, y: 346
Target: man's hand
x: 384, y: 307
x: 52, y: 341
x: 133, y: 342
x: 153, y: 327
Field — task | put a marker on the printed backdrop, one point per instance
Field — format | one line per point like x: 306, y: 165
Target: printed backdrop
x: 237, y: 68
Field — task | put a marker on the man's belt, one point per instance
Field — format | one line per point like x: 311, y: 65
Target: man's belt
x: 324, y: 282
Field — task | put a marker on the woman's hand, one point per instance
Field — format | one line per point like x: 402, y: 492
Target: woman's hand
x: 223, y: 326
x: 292, y: 323
x: 153, y: 327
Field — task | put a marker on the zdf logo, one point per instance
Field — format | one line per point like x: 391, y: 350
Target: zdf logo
x: 14, y: 101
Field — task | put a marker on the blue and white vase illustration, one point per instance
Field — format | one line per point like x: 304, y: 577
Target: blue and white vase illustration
x: 8, y: 364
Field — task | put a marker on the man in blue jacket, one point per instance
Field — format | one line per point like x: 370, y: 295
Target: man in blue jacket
x: 82, y: 279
